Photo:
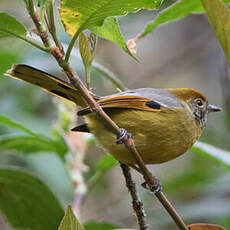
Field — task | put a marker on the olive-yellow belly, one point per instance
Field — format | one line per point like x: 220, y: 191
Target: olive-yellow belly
x: 159, y: 136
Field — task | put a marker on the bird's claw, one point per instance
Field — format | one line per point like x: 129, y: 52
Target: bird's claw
x: 155, y: 188
x: 122, y: 135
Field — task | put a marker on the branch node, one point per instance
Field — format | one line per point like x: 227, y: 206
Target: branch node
x: 57, y: 53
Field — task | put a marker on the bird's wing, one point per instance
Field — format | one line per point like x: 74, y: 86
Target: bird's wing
x: 148, y: 99
x: 128, y: 102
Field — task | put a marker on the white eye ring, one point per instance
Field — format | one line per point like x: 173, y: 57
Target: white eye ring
x: 199, y: 102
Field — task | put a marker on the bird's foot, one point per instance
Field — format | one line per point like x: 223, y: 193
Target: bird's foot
x: 122, y: 135
x: 154, y: 188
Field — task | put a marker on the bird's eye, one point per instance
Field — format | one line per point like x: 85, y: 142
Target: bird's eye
x: 199, y: 102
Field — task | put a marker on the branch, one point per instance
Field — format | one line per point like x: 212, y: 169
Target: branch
x: 96, y: 108
x: 138, y: 206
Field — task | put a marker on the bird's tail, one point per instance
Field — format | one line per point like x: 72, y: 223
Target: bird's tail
x: 47, y: 82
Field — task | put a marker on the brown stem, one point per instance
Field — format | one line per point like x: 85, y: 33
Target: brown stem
x: 171, y: 210
x: 41, y: 29
x: 95, y: 107
x: 138, y: 206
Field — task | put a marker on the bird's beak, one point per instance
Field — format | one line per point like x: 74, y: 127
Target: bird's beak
x: 213, y: 108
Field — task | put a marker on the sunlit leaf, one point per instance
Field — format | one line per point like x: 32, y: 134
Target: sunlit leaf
x: 27, y: 203
x: 69, y: 221
x: 218, y: 15
x: 94, y: 225
x: 202, y: 226
x: 10, y: 26
x: 78, y: 15
x: 220, y: 155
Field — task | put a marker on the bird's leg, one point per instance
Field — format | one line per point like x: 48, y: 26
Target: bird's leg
x: 122, y: 135
x: 156, y: 187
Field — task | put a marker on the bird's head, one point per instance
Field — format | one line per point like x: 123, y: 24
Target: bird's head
x: 196, y: 102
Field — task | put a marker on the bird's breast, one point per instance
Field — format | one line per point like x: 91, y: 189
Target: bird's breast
x: 159, y: 136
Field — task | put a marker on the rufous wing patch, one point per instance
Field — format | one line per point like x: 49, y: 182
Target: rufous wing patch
x: 131, y: 102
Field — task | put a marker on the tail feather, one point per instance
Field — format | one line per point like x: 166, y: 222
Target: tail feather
x: 47, y: 82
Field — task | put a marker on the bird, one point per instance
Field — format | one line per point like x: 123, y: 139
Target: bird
x: 164, y: 123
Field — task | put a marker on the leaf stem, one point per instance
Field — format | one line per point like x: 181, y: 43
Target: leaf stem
x: 28, y: 41
x: 71, y: 45
x: 110, y: 76
x: 30, y: 6
x: 87, y: 76
x: 52, y: 27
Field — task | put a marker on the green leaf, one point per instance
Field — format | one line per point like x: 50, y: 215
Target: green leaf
x: 55, y: 175
x: 30, y: 145
x: 94, y: 225
x: 7, y: 59
x: 69, y: 221
x: 87, y: 48
x: 219, y: 155
x: 85, y: 51
x: 78, y: 15
x: 34, y: 142
x: 10, y: 26
x: 42, y: 3
x: 110, y: 30
x: 105, y: 163
x: 59, y: 143
x: 27, y: 203
x: 178, y: 10
x: 11, y: 124
x: 218, y: 15
x: 27, y: 144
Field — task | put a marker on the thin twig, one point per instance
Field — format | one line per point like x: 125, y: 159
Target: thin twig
x: 95, y: 107
x: 51, y: 25
x: 138, y: 206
